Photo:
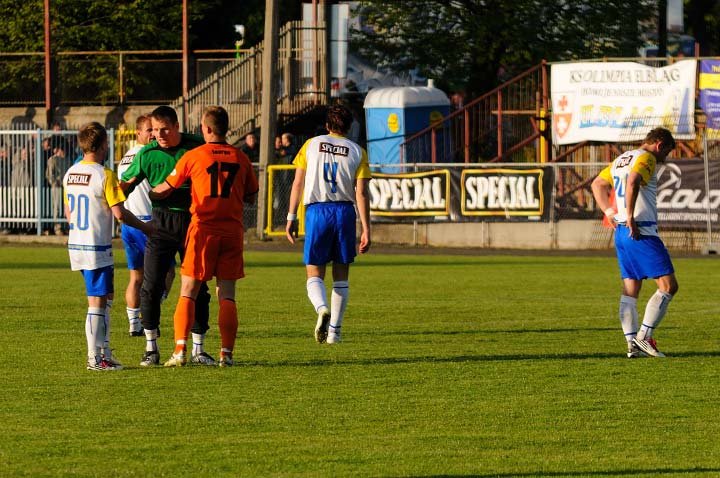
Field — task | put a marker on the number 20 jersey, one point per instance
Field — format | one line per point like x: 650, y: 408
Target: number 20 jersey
x: 643, y: 163
x: 90, y: 190
x: 332, y: 163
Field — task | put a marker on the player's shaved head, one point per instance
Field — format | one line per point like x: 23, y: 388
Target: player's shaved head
x: 165, y: 113
x: 217, y: 119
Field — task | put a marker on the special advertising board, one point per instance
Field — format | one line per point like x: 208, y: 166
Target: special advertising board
x: 498, y: 194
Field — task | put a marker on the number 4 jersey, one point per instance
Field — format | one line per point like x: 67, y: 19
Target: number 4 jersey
x: 221, y: 179
x: 643, y: 163
x: 90, y: 191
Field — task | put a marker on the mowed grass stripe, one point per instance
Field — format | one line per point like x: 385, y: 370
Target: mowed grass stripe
x: 450, y: 366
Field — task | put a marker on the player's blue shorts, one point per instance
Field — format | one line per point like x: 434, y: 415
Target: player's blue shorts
x: 98, y: 282
x: 643, y: 258
x: 329, y: 233
x: 134, y: 241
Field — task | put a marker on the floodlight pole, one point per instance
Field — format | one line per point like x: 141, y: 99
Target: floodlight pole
x: 48, y: 69
x: 185, y: 69
x: 268, y: 108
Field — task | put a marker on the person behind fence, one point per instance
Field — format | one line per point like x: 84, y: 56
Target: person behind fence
x: 222, y: 180
x: 334, y: 174
x: 251, y: 148
x: 55, y: 169
x: 155, y: 162
x: 632, y: 180
x: 133, y: 239
x: 92, y: 196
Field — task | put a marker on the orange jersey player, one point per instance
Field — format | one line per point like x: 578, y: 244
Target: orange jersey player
x: 222, y: 180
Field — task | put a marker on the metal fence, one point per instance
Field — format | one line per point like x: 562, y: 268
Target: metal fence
x: 33, y: 162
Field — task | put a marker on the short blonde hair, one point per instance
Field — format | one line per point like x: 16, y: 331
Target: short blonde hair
x: 92, y: 137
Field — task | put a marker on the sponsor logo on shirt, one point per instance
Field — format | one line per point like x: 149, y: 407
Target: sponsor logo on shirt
x: 78, y: 179
x: 127, y: 160
x: 334, y: 149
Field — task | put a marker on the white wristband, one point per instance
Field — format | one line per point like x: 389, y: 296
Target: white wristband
x: 291, y: 217
x: 610, y: 212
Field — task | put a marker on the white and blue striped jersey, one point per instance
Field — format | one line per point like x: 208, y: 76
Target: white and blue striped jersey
x: 90, y: 190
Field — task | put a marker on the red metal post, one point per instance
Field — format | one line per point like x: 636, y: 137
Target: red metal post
x: 466, y: 119
x: 48, y: 69
x: 185, y: 60
x: 433, y: 146
x: 499, y: 124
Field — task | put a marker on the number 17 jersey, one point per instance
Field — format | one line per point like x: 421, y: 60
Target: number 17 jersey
x: 644, y: 163
x: 221, y: 178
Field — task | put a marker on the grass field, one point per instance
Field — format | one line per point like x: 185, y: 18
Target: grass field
x: 450, y: 366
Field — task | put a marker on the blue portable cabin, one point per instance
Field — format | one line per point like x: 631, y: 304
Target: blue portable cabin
x: 396, y: 113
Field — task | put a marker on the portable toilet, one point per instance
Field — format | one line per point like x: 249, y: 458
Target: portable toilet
x: 394, y: 114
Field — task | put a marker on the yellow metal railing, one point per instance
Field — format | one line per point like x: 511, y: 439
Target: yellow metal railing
x: 273, y: 194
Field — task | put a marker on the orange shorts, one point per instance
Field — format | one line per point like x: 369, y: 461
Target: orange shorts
x: 208, y: 255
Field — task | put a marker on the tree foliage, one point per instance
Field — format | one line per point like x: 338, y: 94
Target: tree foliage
x: 112, y: 25
x: 473, y: 45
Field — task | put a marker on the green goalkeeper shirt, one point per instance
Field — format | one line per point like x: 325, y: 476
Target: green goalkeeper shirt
x: 155, y: 164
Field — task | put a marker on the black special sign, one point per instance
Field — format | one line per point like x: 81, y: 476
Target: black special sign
x: 411, y: 195
x: 502, y: 192
x: 462, y: 195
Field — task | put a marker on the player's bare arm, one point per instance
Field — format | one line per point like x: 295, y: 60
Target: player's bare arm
x: 602, y: 192
x: 128, y: 186
x: 161, y: 191
x: 362, y: 199
x: 122, y: 214
x: 631, y: 194
x: 291, y: 228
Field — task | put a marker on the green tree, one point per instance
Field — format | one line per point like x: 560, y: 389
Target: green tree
x: 109, y: 25
x: 473, y: 45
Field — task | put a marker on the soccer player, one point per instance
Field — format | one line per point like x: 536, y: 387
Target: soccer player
x: 222, y: 181
x: 134, y: 240
x: 641, y: 254
x: 334, y: 174
x: 154, y: 162
x: 92, y: 196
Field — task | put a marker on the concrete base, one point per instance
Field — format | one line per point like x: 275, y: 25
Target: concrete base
x: 563, y: 235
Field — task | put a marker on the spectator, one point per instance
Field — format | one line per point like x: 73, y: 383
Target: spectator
x: 251, y: 147
x: 54, y: 173
x: 288, y: 148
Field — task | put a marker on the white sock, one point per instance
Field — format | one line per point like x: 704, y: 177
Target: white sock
x: 151, y: 340
x: 133, y: 316
x: 107, y: 353
x: 94, y: 333
x: 316, y: 293
x: 654, y: 313
x: 629, y: 317
x: 198, y: 340
x: 338, y: 303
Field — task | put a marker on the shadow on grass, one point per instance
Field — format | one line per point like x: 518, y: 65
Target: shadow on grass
x: 459, y: 359
x: 647, y: 472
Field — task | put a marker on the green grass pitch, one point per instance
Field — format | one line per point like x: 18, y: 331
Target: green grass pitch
x: 451, y: 365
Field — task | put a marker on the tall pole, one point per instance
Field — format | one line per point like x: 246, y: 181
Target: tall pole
x: 268, y: 108
x: 185, y: 69
x: 48, y: 69
x: 662, y: 29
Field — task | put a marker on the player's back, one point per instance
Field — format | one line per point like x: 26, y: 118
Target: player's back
x: 332, y: 164
x: 222, y: 177
x: 86, y: 191
x: 138, y: 201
